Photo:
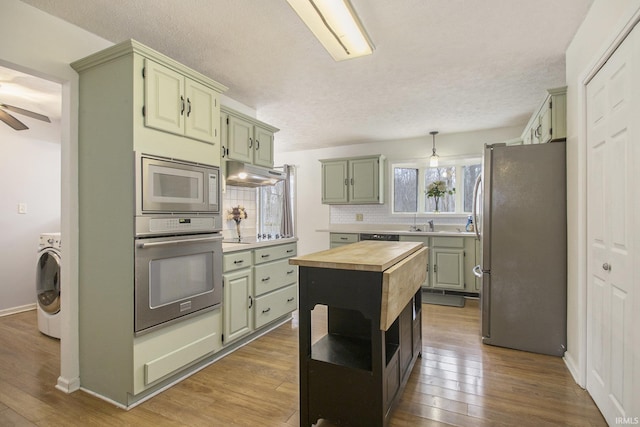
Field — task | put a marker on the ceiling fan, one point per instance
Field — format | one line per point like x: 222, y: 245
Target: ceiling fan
x: 15, y: 123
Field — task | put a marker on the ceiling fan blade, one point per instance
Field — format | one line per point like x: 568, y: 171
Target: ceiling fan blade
x: 12, y: 121
x: 26, y: 112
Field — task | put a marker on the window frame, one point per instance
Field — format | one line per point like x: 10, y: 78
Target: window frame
x: 422, y: 165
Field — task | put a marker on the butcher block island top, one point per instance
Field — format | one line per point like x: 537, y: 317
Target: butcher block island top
x: 355, y: 373
x: 402, y: 265
x: 368, y: 255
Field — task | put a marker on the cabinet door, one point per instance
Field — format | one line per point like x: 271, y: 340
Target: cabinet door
x: 477, y: 281
x: 364, y: 181
x: 163, y: 98
x: 448, y: 268
x: 544, y: 123
x: 237, y: 305
x: 202, y: 112
x: 240, y: 134
x: 334, y: 182
x: 470, y: 262
x: 263, y: 147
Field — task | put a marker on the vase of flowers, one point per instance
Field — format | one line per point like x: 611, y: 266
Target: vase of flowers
x: 237, y: 214
x: 438, y: 189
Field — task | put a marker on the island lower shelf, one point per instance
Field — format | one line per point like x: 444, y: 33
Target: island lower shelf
x: 356, y: 372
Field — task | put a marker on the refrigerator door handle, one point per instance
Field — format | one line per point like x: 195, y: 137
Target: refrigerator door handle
x: 477, y: 271
x: 476, y: 189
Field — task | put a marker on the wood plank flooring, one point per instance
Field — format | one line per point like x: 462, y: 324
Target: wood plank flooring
x: 459, y: 381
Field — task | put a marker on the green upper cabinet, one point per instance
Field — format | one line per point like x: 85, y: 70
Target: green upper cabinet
x: 246, y: 139
x: 357, y: 180
x: 263, y: 153
x: 549, y: 121
x: 335, y: 188
x: 174, y: 103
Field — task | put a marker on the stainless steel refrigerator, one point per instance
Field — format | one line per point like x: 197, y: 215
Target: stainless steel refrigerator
x: 522, y: 221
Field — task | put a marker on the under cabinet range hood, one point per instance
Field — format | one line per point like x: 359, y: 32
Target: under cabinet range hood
x: 245, y: 175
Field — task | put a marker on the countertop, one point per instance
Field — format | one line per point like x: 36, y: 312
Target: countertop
x: 235, y: 247
x: 370, y: 255
x: 394, y: 230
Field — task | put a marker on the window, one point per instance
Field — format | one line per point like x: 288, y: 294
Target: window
x: 271, y: 208
x: 405, y: 180
x: 411, y: 182
x: 446, y: 176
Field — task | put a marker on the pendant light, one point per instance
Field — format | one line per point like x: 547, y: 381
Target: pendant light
x: 433, y: 160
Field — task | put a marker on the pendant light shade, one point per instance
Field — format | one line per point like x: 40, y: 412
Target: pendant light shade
x: 433, y: 160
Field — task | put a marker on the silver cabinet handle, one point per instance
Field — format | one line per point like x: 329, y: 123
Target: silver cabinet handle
x: 250, y: 301
x: 250, y: 142
x: 188, y: 107
x: 240, y: 261
x: 290, y: 299
x: 266, y: 279
x: 606, y: 266
x: 290, y: 271
x: 257, y: 144
x: 266, y: 310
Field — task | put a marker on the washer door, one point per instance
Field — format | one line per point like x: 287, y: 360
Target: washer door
x: 48, y: 281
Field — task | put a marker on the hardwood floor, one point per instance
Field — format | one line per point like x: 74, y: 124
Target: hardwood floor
x: 459, y: 381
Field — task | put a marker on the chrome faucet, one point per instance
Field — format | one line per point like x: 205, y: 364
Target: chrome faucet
x: 431, y: 226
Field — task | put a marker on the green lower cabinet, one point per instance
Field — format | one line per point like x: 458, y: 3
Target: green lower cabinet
x: 341, y: 239
x: 451, y: 262
x: 447, y: 268
x: 259, y: 287
x: 238, y: 303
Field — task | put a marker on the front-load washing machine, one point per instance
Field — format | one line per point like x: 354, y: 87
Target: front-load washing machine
x: 48, y: 284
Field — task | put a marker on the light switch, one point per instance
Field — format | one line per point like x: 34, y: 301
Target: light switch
x: 22, y: 208
x: 359, y: 217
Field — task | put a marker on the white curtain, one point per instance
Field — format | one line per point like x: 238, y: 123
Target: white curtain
x: 287, y: 226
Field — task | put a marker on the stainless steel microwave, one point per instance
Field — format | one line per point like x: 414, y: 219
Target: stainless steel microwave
x: 170, y: 186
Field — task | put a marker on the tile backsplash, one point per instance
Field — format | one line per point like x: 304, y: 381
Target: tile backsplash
x: 239, y: 196
x: 379, y: 214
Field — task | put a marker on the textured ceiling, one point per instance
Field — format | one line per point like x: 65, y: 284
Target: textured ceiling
x: 446, y: 65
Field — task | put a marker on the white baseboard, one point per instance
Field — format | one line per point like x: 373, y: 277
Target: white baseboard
x: 68, y: 385
x: 19, y: 309
x: 573, y: 369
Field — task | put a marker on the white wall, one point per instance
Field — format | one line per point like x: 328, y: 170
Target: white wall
x: 37, y: 43
x: 29, y: 173
x: 596, y: 36
x: 312, y: 215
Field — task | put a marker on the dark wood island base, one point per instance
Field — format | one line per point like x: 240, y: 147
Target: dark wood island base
x: 356, y: 372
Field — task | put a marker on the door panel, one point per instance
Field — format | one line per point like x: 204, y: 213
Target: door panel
x: 164, y: 98
x: 612, y: 102
x: 201, y: 112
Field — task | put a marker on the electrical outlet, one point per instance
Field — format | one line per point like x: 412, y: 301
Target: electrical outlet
x: 22, y: 208
x: 359, y: 217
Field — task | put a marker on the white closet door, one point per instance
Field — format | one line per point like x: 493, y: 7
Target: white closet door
x: 613, y: 119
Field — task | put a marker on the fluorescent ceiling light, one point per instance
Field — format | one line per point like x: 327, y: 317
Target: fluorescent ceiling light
x: 336, y: 25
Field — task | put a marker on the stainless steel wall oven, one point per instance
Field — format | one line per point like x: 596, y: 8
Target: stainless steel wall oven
x: 178, y: 245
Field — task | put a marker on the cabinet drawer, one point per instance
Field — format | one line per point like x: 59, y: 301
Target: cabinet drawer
x: 236, y: 261
x: 273, y: 275
x: 172, y: 348
x: 272, y: 253
x: 276, y: 304
x: 447, y: 242
x: 343, y: 238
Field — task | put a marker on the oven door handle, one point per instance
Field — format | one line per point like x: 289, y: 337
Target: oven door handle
x: 177, y: 242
